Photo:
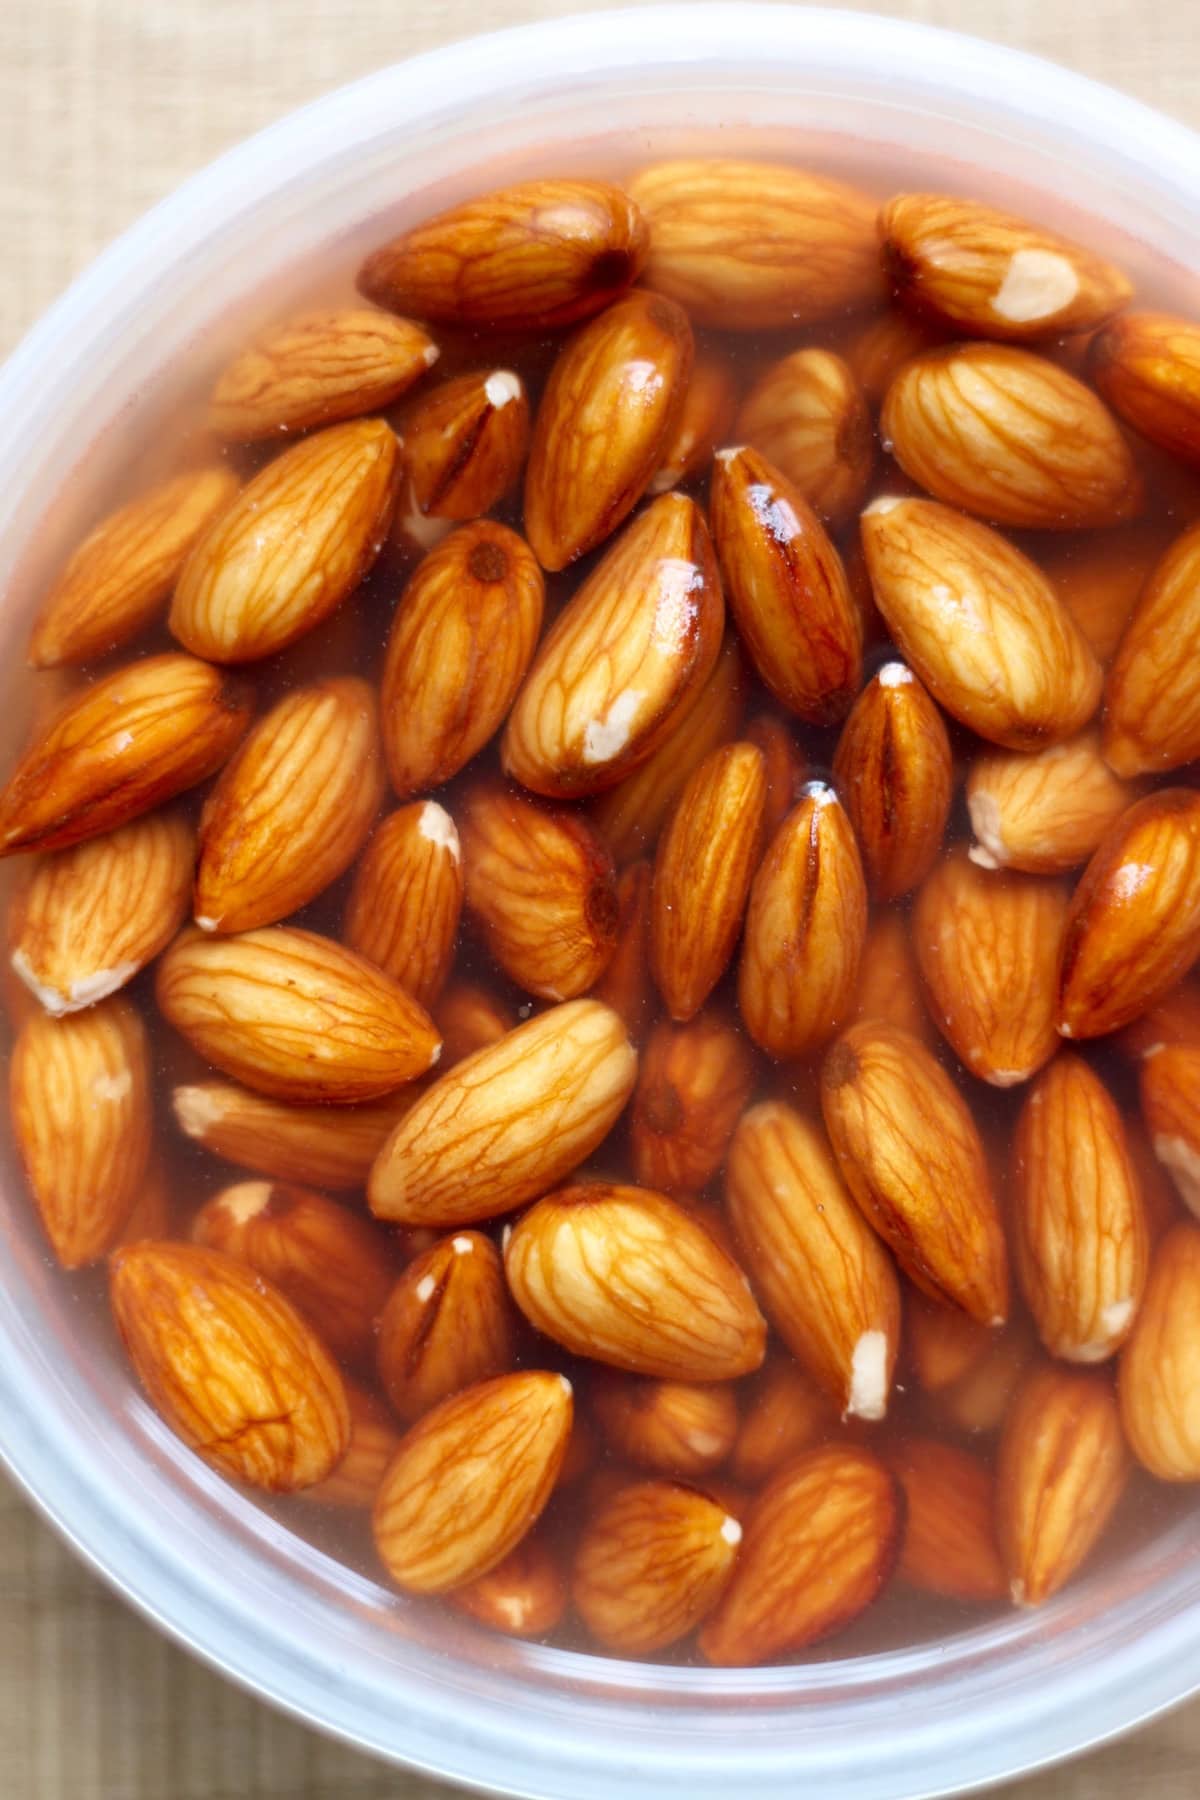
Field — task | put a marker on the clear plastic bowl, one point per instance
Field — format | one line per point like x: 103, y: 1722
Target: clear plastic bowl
x: 224, y: 1576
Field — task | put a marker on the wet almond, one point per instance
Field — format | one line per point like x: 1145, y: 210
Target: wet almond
x: 406, y: 900
x: 1147, y: 366
x: 1043, y: 812
x: 446, y: 1323
x: 1152, y: 696
x: 465, y: 443
x: 809, y: 417
x: 893, y: 772
x: 651, y: 1563
x: 693, y: 1082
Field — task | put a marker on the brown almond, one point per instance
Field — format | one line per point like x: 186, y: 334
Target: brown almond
x: 1099, y: 579
x: 782, y: 1414
x: 465, y: 443
x: 651, y: 1563
x: 877, y: 351
x: 1152, y: 696
x: 693, y: 1082
x: 784, y: 765
x: 809, y: 418
x: 525, y: 1595
x: 950, y: 1526
x: 152, y: 1213
x: 977, y: 1402
x: 893, y: 771
x: 332, y: 1145
x: 447, y: 1323
x: 626, y: 985
x: 470, y: 1018
x: 1147, y: 366
x: 1043, y: 812
x: 406, y: 899
x: 1159, y: 1377
x: 889, y: 984
x: 1170, y: 1096
x: 374, y: 1440
x: 943, y: 1344
x: 683, y: 1428
x: 1175, y: 1019
x: 702, y: 422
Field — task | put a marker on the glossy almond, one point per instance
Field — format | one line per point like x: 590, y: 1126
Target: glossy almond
x: 680, y: 1428
x: 524, y: 1595
x: 1152, y: 697
x: 783, y: 1413
x: 230, y: 1364
x: 651, y: 1563
x: 979, y: 623
x: 509, y: 1122
x: 80, y: 1094
x: 748, y: 245
x: 331, y: 1145
x: 1147, y: 366
x: 911, y: 1156
x: 293, y: 809
x: 786, y: 587
x: 785, y: 767
x: 702, y: 422
x: 1098, y: 579
x: 471, y: 1017
x: 623, y: 1275
x: 991, y: 273
x: 1046, y: 812
x: 893, y: 771
x: 889, y: 983
x: 693, y: 1082
x: 374, y: 1440
x: 537, y: 254
x: 1170, y: 1095
x: 805, y: 926
x: 120, y: 747
x: 298, y: 538
x: 406, y: 900
x: 294, y: 1015
x: 877, y: 351
x: 122, y: 574
x: 447, y: 1323
x: 950, y: 1522
x: 465, y: 443
x: 1160, y: 1373
x: 626, y: 983
x: 809, y: 418
x: 470, y: 1479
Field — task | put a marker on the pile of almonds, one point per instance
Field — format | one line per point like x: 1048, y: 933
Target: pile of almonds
x: 721, y: 1048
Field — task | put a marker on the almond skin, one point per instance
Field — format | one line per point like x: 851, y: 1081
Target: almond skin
x: 786, y: 587
x: 991, y: 273
x: 541, y: 889
x: 230, y: 1365
x: 1160, y: 1379
x: 470, y: 1018
x: 80, y: 1094
x: 332, y: 1145
x: 1147, y: 366
x: 294, y: 1015
x: 693, y: 1082
x: 1133, y: 926
x: 702, y: 876
x: 753, y: 245
x: 680, y: 1428
x: 809, y: 418
x: 784, y: 765
x: 783, y: 1414
x: 535, y: 255
x: 979, y: 623
x: 1046, y: 812
x: 406, y: 901
x: 651, y: 1563
x: 524, y: 1596
x: 911, y: 1156
x: 1170, y: 1095
x: 298, y: 538
x: 465, y: 443
x: 1011, y: 437
x: 509, y: 1122
x: 889, y: 984
x: 950, y: 1532
x: 1062, y: 1468
x: 893, y: 770
x: 805, y: 926
x: 820, y: 1542
x: 293, y: 808
x: 702, y: 422
x: 460, y: 644
x: 623, y: 1275
x: 470, y: 1479
x: 626, y: 985
x: 374, y: 1441
x: 94, y: 915
x: 1079, y: 1227
x: 121, y: 576
x: 447, y: 1323
x: 120, y: 747
x: 987, y: 947
x: 1152, y: 697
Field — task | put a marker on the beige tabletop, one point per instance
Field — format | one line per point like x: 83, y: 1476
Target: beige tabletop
x: 105, y: 105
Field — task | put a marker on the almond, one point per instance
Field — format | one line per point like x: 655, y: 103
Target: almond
x: 294, y: 1015
x: 671, y: 1427
x: 1133, y: 927
x: 625, y: 984
x: 470, y: 1018
x: 470, y: 1479
x: 991, y: 273
x: 333, y: 1266
x: 94, y: 915
x: 119, y: 748
x: 1152, y: 697
x: 1079, y: 1228
x: 950, y: 1530
x: 465, y: 443
x: 893, y: 770
x: 1012, y: 437
x: 373, y: 1443
x: 293, y: 809
x: 542, y: 890
x: 651, y: 1563
x: 805, y: 926
x: 784, y: 765
x: 786, y: 587
x: 230, y: 1365
x: 332, y: 1145
x: 702, y: 876
x: 447, y: 1323
x: 703, y: 419
x: 943, y: 1344
x: 1161, y: 1201
x: 1147, y: 366
x: 987, y: 947
x: 1098, y: 579
x: 752, y: 245
x: 407, y: 898
x: 1046, y: 812
x: 1062, y: 1468
x: 877, y: 351
x: 783, y: 1414
x: 624, y: 1276
x: 80, y: 1094
x: 809, y: 418
x: 1170, y: 1093
x: 122, y: 574
x: 1160, y: 1375
x: 826, y: 1281
x: 889, y: 986
x: 979, y: 623
x: 820, y: 1542
x: 911, y: 1156
x: 1175, y: 1019
x: 152, y: 1214
x: 525, y: 1595
x: 977, y: 1402
x: 509, y: 1122
x: 298, y: 538
x: 535, y: 255
x: 693, y: 1082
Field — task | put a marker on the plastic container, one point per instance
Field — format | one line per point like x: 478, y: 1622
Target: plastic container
x: 219, y: 1573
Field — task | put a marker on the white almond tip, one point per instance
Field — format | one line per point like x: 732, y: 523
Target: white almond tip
x: 731, y: 1531
x: 885, y: 504
x: 501, y: 388
x: 78, y: 994
x: 437, y: 827
x: 868, y: 1377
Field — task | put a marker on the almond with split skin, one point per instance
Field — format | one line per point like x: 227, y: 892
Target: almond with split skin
x: 693, y: 1082
x: 949, y: 1528
x: 651, y: 1563
x: 1152, y: 696
x: 826, y: 1280
x: 1160, y: 1375
x: 293, y: 809
x: 447, y: 1323
x: 535, y: 255
x: 979, y: 623
x: 783, y: 1413
x: 893, y: 771
x: 682, y: 1428
x: 230, y: 1364
x: 294, y: 1015
x: 465, y: 443
x: 94, y: 915
x: 470, y: 1479
x: 889, y: 984
x: 623, y: 1275
x: 374, y: 1440
x: 785, y: 767
x: 910, y: 1154
x: 1147, y: 366
x: 298, y: 538
x: 702, y: 422
x: 120, y: 747
x: 809, y: 418
x: 1170, y: 1097
x: 509, y: 1122
x: 1099, y: 579
x: 626, y: 984
x: 331, y: 1145
x: 406, y: 900
x: 524, y: 1596
x: 1044, y: 813
x: 121, y: 576
x: 470, y: 1018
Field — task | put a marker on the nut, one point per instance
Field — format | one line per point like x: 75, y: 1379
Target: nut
x: 693, y: 1082
x: 1046, y: 812
x: 1160, y: 1377
x: 809, y: 418
x: 944, y: 1345
x: 334, y: 1146
x: 680, y: 1428
x: 978, y: 1400
x: 525, y: 1595
x: 1098, y: 579
x: 892, y: 767
x: 877, y: 351
x: 784, y: 765
x: 406, y: 899
x: 447, y: 1323
x: 625, y: 984
x: 1147, y: 366
x: 651, y: 1563
x: 465, y: 443
x: 470, y: 1018
x: 703, y: 419
x: 784, y: 1414
x: 889, y: 986
x: 1170, y: 1093
x: 1152, y: 697
x: 374, y: 1441
x: 950, y: 1532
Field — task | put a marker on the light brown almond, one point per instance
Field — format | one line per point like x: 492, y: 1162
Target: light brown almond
x: 332, y: 1145
x: 784, y: 1412
x: 893, y: 771
x: 702, y: 422
x: 1098, y: 579
x: 977, y: 1402
x: 950, y: 1522
x: 447, y: 1323
x: 1152, y: 696
x: 152, y: 1213
x: 693, y: 1082
x: 785, y: 767
x: 470, y: 1018
x: 626, y: 985
x: 1043, y: 812
x: 942, y: 1343
x: 465, y: 443
x: 877, y: 351
x: 1175, y: 1019
x: 683, y: 1428
x: 1147, y: 366
x: 374, y: 1440
x: 651, y: 1563
x: 1170, y: 1096
x: 809, y: 418
x: 525, y: 1595
x: 407, y: 897
x: 1160, y: 1374
x: 889, y: 985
